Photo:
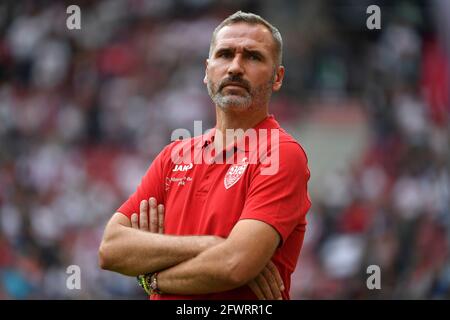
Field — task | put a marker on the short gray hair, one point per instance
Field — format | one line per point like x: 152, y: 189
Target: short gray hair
x: 251, y: 18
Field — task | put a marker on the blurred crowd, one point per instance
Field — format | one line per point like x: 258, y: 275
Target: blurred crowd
x: 83, y: 113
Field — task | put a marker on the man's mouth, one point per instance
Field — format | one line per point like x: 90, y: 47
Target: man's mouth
x: 234, y: 85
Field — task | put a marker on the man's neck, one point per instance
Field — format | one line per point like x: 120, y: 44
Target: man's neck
x: 239, y: 119
x: 235, y: 120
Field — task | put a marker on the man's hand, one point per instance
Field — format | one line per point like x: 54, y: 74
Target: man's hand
x: 268, y: 285
x: 150, y: 218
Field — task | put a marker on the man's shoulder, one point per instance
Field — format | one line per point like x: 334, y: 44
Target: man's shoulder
x: 290, y: 145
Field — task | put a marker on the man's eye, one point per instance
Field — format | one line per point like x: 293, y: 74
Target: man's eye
x: 224, y: 55
x: 255, y: 57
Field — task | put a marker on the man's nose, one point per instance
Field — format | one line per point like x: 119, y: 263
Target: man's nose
x: 235, y: 67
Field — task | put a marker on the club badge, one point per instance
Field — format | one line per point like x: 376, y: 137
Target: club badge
x: 234, y: 173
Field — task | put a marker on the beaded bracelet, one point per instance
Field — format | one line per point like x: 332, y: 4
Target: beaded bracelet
x: 143, y: 283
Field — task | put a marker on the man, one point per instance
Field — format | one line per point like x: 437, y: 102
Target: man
x: 221, y: 230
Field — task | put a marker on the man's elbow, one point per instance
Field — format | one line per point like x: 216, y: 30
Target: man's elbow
x: 104, y: 257
x: 110, y: 246
x: 109, y: 251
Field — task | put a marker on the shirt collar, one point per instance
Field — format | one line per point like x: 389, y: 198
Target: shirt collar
x: 267, y: 123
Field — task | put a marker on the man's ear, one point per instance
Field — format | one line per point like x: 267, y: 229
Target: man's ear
x: 205, y: 79
x: 278, y: 81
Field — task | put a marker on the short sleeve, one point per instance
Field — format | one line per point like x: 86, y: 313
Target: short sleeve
x: 281, y: 199
x: 151, y: 185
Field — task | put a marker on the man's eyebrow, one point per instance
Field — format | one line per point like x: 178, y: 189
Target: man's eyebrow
x: 247, y: 51
x: 224, y: 49
x: 254, y: 51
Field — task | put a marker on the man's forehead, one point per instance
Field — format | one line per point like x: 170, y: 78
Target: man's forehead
x: 254, y: 35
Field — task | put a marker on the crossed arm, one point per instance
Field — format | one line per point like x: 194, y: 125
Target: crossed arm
x: 228, y: 265
x: 132, y: 251
x: 192, y: 264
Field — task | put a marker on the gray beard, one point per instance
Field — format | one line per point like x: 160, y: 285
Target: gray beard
x: 239, y: 102
x: 230, y: 101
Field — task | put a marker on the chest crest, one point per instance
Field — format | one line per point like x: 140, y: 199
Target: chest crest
x: 234, y: 173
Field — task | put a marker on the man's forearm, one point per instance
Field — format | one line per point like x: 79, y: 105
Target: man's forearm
x: 210, y: 271
x: 132, y: 252
x: 229, y: 265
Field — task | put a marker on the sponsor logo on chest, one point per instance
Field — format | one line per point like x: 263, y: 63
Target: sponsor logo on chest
x: 182, y: 167
x: 179, y: 180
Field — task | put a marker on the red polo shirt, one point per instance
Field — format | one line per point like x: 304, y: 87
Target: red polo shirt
x: 210, y: 198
